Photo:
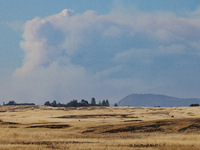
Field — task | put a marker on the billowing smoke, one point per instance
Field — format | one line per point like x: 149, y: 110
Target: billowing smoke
x: 72, y: 56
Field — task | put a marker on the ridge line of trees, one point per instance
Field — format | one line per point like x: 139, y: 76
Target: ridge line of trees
x: 75, y: 103
x: 14, y: 103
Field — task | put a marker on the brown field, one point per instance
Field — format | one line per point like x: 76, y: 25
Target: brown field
x: 99, y: 128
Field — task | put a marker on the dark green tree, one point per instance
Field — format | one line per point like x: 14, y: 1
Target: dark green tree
x: 54, y: 103
x: 93, y: 101
x: 11, y: 103
x: 103, y: 103
x: 47, y: 103
x: 73, y: 103
x: 59, y: 105
x: 115, y: 105
x: 100, y: 104
x: 107, y: 103
x: 194, y: 105
x: 84, y: 102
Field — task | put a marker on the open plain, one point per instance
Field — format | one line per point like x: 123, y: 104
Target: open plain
x: 101, y: 128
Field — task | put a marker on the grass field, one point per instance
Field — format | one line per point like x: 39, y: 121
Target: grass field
x: 99, y: 128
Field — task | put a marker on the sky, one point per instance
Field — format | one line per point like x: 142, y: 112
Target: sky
x: 106, y: 49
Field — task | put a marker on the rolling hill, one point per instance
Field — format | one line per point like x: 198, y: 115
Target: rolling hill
x: 151, y: 100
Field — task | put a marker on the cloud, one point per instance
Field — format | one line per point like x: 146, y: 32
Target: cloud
x: 172, y: 49
x: 195, y: 14
x: 68, y: 34
x: 70, y: 55
x: 17, y: 25
x: 134, y: 56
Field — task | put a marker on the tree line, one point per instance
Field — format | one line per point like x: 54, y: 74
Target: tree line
x: 75, y: 103
x: 194, y: 105
x: 14, y: 103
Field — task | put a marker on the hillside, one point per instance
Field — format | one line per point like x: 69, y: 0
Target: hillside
x: 151, y: 100
x: 32, y: 127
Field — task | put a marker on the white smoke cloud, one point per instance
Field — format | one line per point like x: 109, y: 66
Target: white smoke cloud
x: 17, y: 25
x: 70, y: 55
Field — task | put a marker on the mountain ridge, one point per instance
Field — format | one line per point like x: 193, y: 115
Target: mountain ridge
x: 152, y: 100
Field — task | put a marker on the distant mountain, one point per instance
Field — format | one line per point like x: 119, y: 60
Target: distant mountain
x: 151, y: 100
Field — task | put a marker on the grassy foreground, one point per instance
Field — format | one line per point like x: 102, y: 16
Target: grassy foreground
x: 99, y: 128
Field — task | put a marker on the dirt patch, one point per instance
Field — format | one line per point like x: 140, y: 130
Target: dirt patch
x: 170, y: 125
x: 42, y: 142
x: 50, y: 126
x: 1, y: 111
x: 144, y: 127
x: 143, y: 145
x: 194, y: 127
x: 159, y: 113
x: 12, y: 127
x: 8, y: 123
x: 88, y: 131
x: 191, y: 114
x: 131, y: 120
x: 96, y: 116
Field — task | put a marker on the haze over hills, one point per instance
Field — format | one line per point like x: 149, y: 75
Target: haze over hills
x: 152, y: 100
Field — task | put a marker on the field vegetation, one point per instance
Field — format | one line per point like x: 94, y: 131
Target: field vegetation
x: 30, y: 127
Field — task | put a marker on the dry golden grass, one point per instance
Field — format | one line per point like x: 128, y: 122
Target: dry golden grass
x: 99, y: 128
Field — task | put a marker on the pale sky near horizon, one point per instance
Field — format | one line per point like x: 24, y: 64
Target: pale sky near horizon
x: 107, y: 49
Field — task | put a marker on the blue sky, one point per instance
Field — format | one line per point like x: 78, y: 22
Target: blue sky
x: 105, y: 49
